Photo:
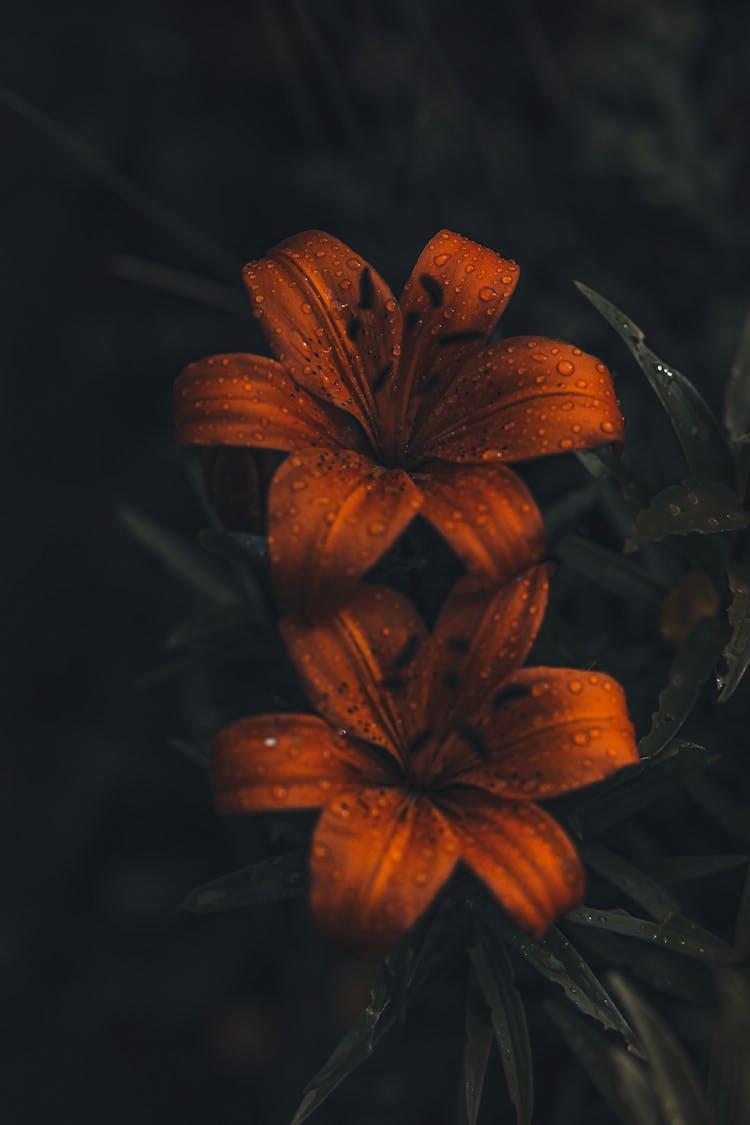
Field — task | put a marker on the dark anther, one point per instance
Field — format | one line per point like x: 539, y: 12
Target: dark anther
x: 432, y: 288
x: 353, y: 328
x: 451, y: 681
x: 420, y: 741
x: 506, y: 694
x: 471, y: 737
x: 458, y: 644
x: 382, y: 376
x: 427, y: 385
x: 393, y: 683
x: 408, y: 652
x: 366, y: 289
x: 411, y: 320
x: 459, y: 337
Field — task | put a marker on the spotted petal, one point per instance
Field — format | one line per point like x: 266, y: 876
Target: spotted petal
x: 524, y: 397
x: 249, y: 400
x: 332, y: 514
x: 379, y: 857
x: 520, y: 853
x: 330, y: 319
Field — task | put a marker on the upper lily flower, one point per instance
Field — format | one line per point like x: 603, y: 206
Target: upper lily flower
x: 430, y: 749
x: 392, y: 408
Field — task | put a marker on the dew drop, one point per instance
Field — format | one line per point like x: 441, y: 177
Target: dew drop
x: 486, y: 293
x: 270, y: 741
x: 565, y: 367
x: 441, y: 259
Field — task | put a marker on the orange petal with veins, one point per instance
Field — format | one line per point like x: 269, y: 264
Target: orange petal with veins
x: 249, y: 400
x: 487, y: 514
x: 332, y: 514
x: 330, y: 319
x: 379, y: 857
x: 451, y: 303
x: 521, y: 854
x: 284, y: 762
x: 524, y: 397
x: 543, y: 732
x: 360, y: 668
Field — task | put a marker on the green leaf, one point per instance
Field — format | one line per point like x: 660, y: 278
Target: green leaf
x: 558, y: 961
x: 568, y: 511
x: 389, y: 982
x: 737, y: 651
x: 682, y: 869
x: 220, y: 619
x: 478, y: 1036
x: 689, y: 672
x: 187, y: 562
x: 674, y: 1082
x: 235, y: 546
x: 497, y: 985
x: 192, y: 753
x: 702, y: 440
x: 637, y: 787
x: 742, y: 924
x: 676, y: 933
x: 618, y: 1077
x: 696, y: 506
x: 269, y: 880
x: 737, y: 395
x: 630, y: 880
x: 608, y: 569
x: 729, y: 813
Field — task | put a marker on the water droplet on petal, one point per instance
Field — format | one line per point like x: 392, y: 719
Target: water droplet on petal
x: 565, y: 367
x: 486, y: 293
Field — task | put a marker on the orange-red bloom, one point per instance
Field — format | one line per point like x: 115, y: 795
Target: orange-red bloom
x: 429, y: 750
x: 392, y: 408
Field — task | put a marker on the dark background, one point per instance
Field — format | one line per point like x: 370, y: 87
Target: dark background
x: 603, y: 142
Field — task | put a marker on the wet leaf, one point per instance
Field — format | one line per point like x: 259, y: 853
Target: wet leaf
x: 235, y: 546
x: 478, y: 1036
x: 186, y: 561
x: 558, y: 961
x: 608, y: 569
x: 676, y: 933
x: 270, y: 880
x: 639, y: 786
x: 737, y: 651
x: 689, y: 672
x: 700, y: 435
x: 696, y: 506
x: 629, y: 879
x: 737, y: 395
x: 673, y: 1079
x: 508, y: 1016
x: 618, y: 1077
x: 683, y: 869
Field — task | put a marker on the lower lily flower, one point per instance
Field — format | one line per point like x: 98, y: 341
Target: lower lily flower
x: 390, y: 409
x: 429, y: 750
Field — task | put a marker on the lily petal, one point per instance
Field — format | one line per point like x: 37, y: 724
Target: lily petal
x: 283, y: 762
x: 358, y: 668
x: 544, y: 732
x: 524, y: 397
x: 379, y: 857
x: 487, y: 514
x: 521, y: 854
x: 451, y: 303
x: 250, y: 400
x: 480, y: 639
x: 330, y: 319
x: 332, y: 514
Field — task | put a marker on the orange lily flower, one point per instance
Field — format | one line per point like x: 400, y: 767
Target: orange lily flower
x: 391, y: 408
x: 429, y: 749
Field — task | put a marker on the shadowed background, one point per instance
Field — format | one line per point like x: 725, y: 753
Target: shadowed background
x: 606, y: 145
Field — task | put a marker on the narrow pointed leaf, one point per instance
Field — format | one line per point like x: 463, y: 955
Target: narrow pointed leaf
x: 677, y: 934
x: 618, y: 1077
x: 689, y: 672
x: 674, y: 1082
x: 478, y: 1036
x: 683, y: 869
x: 700, y: 435
x: 633, y: 882
x: 608, y: 570
x: 183, y: 559
x: 220, y: 619
x: 737, y: 651
x: 270, y: 880
x: 496, y: 983
x: 729, y: 813
x: 695, y: 506
x: 737, y: 397
x: 236, y: 546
